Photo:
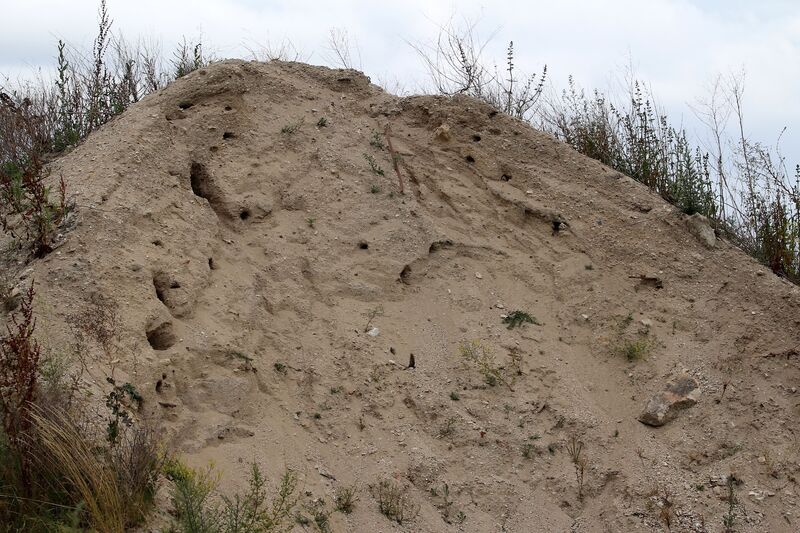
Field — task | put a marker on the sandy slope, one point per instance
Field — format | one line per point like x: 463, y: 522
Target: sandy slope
x: 231, y: 246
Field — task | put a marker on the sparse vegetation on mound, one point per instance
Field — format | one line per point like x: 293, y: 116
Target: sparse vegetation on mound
x: 230, y: 285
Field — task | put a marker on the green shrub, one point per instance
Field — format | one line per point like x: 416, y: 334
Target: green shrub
x: 199, y: 509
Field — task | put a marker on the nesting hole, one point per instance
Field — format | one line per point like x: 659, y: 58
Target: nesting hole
x: 405, y: 273
x: 469, y: 159
x: 162, y: 337
x: 506, y: 177
x: 228, y: 135
x: 245, y: 214
x: 476, y: 138
x: 363, y: 245
x: 185, y: 105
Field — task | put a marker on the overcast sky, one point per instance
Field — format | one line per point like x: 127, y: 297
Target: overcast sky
x: 677, y: 46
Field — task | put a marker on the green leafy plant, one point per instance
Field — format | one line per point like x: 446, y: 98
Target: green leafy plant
x: 376, y: 141
x: 322, y: 122
x: 199, y: 509
x: 519, y: 318
x: 116, y: 401
x: 373, y: 165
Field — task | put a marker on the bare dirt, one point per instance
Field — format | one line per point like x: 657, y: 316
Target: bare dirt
x: 251, y: 250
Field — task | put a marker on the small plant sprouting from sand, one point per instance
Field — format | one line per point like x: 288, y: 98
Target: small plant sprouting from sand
x: 394, y: 502
x: 455, y: 396
x: 345, y: 498
x: 729, y: 520
x: 635, y: 350
x: 371, y: 315
x: 376, y: 142
x: 518, y: 319
x: 310, y: 221
x: 481, y: 356
x: 633, y: 346
x: 294, y: 127
x: 281, y: 368
x: 579, y: 462
x: 374, y: 166
x: 449, y: 427
x: 322, y: 122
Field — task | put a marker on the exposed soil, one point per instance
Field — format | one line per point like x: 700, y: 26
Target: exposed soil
x: 238, y: 239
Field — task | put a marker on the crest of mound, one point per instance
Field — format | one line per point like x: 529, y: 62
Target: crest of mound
x: 274, y: 280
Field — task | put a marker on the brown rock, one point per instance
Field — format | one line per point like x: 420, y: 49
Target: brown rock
x: 664, y: 406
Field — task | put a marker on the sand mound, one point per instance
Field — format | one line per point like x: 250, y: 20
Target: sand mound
x: 276, y: 285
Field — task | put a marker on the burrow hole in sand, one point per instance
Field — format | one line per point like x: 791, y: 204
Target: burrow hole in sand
x: 162, y: 337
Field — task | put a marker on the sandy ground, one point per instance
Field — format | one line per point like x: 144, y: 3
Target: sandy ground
x: 277, y: 287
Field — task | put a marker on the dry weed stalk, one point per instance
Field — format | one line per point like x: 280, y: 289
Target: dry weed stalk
x: 74, y: 459
x: 579, y: 461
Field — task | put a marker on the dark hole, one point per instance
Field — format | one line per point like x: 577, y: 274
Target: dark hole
x: 228, y: 108
x: 162, y: 337
x: 470, y: 159
x: 161, y: 284
x: 438, y: 245
x: 506, y: 177
x: 492, y: 113
x: 244, y: 215
x: 363, y: 245
x: 185, y: 105
x: 476, y: 138
x: 199, y: 180
x: 211, y: 264
x: 213, y: 148
x: 158, y: 242
x: 228, y: 135
x: 174, y: 285
x: 405, y: 273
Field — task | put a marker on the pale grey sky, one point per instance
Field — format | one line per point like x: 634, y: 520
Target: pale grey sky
x: 677, y: 46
